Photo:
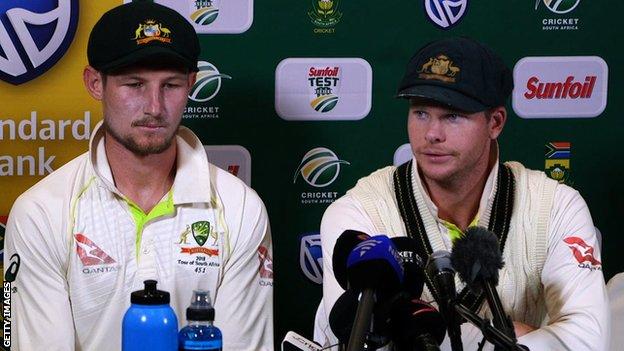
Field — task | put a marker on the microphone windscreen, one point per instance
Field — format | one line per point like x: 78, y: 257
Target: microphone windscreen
x: 412, y: 265
x: 345, y: 243
x: 375, y: 264
x: 476, y: 256
x: 342, y: 315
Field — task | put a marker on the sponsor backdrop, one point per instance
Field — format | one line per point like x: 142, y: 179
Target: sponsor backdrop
x: 296, y: 98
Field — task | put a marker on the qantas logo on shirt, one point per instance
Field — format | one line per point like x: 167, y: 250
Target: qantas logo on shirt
x: 90, y: 254
x: 583, y: 253
x: 266, y: 266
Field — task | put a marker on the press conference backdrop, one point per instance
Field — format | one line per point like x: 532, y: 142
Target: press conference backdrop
x: 297, y: 98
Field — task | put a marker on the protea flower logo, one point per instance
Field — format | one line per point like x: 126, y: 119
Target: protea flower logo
x: 325, y: 13
x: 559, y: 6
x: 324, y: 84
x: 319, y: 167
x: 34, y: 35
x: 204, y: 12
x: 208, y: 82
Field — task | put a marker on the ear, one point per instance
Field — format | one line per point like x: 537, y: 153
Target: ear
x: 93, y: 81
x: 192, y: 77
x: 496, y: 121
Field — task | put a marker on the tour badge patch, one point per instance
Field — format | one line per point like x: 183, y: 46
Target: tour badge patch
x: 198, y: 246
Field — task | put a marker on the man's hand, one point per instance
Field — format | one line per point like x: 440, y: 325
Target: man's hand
x: 522, y: 329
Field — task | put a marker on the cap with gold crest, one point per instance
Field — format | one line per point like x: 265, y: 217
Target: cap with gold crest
x: 459, y: 72
x: 142, y: 31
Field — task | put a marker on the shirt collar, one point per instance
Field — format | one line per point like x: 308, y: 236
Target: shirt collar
x: 487, y: 197
x: 192, y: 180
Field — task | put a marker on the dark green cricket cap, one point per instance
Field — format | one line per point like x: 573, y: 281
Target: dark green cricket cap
x: 458, y: 72
x: 142, y: 31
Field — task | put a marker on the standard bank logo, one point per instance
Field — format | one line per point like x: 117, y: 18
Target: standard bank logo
x: 234, y: 159
x: 322, y: 89
x: 214, y: 16
x: 445, y: 13
x: 319, y: 167
x: 208, y: 82
x: 560, y: 87
x: 559, y: 6
x: 311, y: 257
x: 34, y: 35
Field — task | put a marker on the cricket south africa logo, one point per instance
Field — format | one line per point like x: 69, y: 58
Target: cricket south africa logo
x: 559, y: 6
x: 319, y: 167
x: 34, y: 35
x: 208, y: 82
x: 324, y: 87
x: 204, y: 12
x: 445, y: 13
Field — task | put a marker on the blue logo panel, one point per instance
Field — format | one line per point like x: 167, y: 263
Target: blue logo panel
x: 34, y: 35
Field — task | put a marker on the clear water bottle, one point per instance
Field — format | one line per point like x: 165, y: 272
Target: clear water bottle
x: 150, y: 323
x: 200, y: 333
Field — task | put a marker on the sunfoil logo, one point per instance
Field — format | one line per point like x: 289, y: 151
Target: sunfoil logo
x: 445, y: 13
x: 559, y: 6
x: 34, y: 35
x: 324, y: 87
x: 208, y: 82
x: 319, y: 167
x: 560, y: 87
x: 204, y: 12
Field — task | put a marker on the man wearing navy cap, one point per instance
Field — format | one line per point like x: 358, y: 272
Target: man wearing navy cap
x: 551, y: 285
x: 142, y: 203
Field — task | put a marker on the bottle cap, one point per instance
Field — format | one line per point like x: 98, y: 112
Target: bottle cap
x: 150, y: 295
x: 200, y: 308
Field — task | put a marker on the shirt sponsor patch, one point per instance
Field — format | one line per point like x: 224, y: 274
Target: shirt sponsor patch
x: 90, y: 254
x: 583, y: 253
x: 265, y: 270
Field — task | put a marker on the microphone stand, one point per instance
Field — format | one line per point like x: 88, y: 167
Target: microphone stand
x: 362, y: 321
x: 490, y: 333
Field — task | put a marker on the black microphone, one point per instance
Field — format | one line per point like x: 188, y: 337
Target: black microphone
x: 441, y: 272
x: 345, y: 243
x: 375, y: 268
x: 416, y: 325
x: 413, y: 266
x: 477, y: 259
x: 341, y: 319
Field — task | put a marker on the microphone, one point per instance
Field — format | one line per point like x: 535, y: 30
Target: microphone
x: 341, y: 322
x: 375, y: 268
x: 417, y: 325
x: 298, y: 341
x: 477, y: 258
x: 414, y: 277
x: 442, y: 274
x: 343, y: 247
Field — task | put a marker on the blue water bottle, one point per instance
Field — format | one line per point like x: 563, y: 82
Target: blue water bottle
x: 149, y: 323
x: 200, y: 334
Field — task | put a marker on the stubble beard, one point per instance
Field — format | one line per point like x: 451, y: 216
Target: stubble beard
x: 140, y: 150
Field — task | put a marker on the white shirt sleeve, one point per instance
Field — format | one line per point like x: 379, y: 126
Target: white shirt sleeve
x: 40, y: 306
x: 574, y: 287
x: 244, y: 300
